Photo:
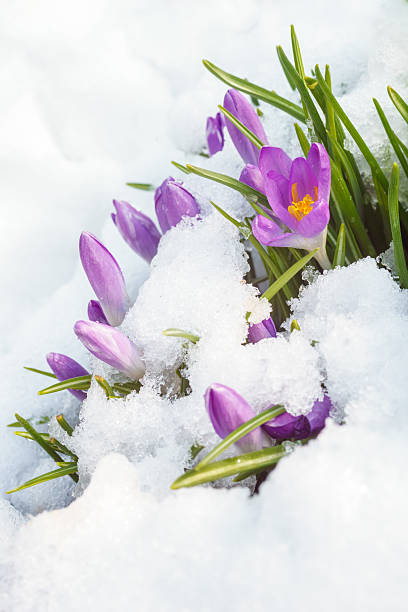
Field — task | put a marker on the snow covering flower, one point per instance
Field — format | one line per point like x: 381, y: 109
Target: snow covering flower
x: 173, y: 202
x: 259, y: 331
x: 299, y: 427
x: 105, y: 276
x: 239, y: 106
x: 227, y: 411
x: 111, y: 346
x: 251, y: 175
x: 64, y: 367
x: 298, y: 192
x: 137, y: 229
x: 95, y: 312
x: 215, y: 133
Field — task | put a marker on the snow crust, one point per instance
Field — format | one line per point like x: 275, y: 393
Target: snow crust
x: 109, y: 92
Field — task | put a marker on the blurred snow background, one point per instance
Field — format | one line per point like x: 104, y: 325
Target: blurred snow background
x: 99, y: 93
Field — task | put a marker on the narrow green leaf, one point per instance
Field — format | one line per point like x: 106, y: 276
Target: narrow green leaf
x: 103, y: 383
x: 294, y: 325
x: 305, y: 96
x: 181, y: 167
x: 393, y: 207
x: 346, y: 203
x: 297, y: 58
x: 126, y: 388
x: 69, y: 470
x: 398, y: 102
x: 180, y: 333
x: 249, y: 462
x: 240, y: 432
x: 142, y: 186
x: 303, y: 141
x: 285, y: 278
x: 340, y: 158
x: 340, y: 252
x: 64, y: 425
x: 242, y: 128
x: 372, y: 162
x: 50, y: 374
x: 228, y: 181
x: 250, y: 88
x: 79, y: 382
x: 391, y: 136
x: 61, y: 448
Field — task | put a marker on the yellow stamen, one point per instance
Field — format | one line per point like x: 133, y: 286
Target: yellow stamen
x: 301, y: 208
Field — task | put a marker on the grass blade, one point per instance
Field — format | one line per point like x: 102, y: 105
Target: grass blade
x: 398, y: 102
x: 228, y: 181
x: 259, y: 92
x: 391, y: 136
x: 43, y: 372
x: 249, y: 462
x: 79, y: 382
x: 174, y: 332
x: 339, y: 258
x: 69, y: 470
x: 64, y: 425
x: 290, y: 273
x: 142, y: 186
x: 242, y: 128
x: 393, y: 208
x: 240, y: 432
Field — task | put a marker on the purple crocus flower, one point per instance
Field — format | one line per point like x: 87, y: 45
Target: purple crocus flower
x: 227, y: 411
x: 64, y: 367
x: 251, y: 175
x: 286, y: 426
x: 239, y: 106
x: 95, y: 312
x: 259, y: 331
x: 215, y: 133
x: 137, y: 229
x: 111, y: 346
x: 298, y: 192
x: 173, y: 202
x: 105, y: 277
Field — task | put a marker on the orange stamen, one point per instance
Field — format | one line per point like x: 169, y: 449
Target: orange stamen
x: 301, y: 208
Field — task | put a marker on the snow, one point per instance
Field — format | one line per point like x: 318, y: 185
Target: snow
x: 104, y: 93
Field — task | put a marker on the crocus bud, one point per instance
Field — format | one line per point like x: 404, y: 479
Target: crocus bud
x: 286, y: 426
x: 105, y: 276
x: 259, y: 331
x: 64, y: 367
x: 239, y: 106
x: 227, y: 411
x: 111, y: 346
x: 137, y: 229
x: 251, y: 175
x: 95, y: 312
x: 215, y: 134
x: 173, y: 202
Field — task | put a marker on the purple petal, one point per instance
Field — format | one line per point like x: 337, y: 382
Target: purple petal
x: 173, y: 202
x: 214, y: 134
x: 64, y: 367
x: 270, y: 234
x: 105, y: 277
x: 315, y: 222
x: 239, y: 106
x: 227, y: 411
x: 259, y: 331
x: 303, y: 176
x: 319, y: 413
x: 286, y: 426
x: 319, y: 162
x: 137, y: 229
x: 95, y: 312
x: 276, y: 189
x: 274, y: 158
x: 251, y: 175
x: 111, y: 346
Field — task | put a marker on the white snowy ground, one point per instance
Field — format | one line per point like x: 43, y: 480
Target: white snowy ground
x: 97, y: 94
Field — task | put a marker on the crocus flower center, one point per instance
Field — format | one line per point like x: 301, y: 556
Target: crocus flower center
x: 301, y: 208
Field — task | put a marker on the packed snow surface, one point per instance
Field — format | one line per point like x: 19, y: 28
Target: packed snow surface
x: 109, y: 92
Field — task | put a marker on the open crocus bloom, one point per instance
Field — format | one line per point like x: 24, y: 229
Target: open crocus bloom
x: 298, y: 192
